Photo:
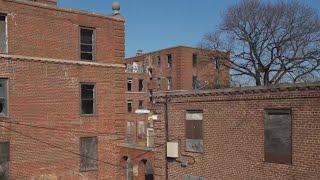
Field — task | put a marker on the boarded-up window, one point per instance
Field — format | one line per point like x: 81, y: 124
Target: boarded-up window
x: 4, y: 160
x: 87, y: 43
x: 3, y: 97
x: 89, y: 150
x: 3, y: 34
x: 277, y: 144
x: 190, y: 177
x: 141, y: 130
x: 88, y: 101
x: 194, y: 134
x: 130, y: 132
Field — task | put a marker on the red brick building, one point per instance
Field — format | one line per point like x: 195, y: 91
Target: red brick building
x: 176, y: 68
x: 248, y: 133
x: 61, y: 92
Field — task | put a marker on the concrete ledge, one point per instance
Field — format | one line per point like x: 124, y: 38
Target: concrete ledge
x: 60, y: 61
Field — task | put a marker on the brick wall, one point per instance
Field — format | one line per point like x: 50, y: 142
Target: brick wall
x: 47, y: 94
x: 233, y: 130
x: 45, y: 31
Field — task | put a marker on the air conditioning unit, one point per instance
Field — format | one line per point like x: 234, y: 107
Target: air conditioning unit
x: 172, y: 149
x: 150, y: 137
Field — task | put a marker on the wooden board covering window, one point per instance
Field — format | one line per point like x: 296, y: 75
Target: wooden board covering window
x: 88, y: 150
x: 278, y: 142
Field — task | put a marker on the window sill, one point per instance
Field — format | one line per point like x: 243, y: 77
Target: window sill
x: 87, y: 60
x: 88, y: 115
x: 89, y: 170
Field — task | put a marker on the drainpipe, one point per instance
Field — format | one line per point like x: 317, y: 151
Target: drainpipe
x: 166, y: 133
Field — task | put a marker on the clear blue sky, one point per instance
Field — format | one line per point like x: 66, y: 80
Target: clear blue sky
x: 157, y: 24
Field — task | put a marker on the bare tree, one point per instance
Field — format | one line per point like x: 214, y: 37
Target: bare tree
x: 269, y: 43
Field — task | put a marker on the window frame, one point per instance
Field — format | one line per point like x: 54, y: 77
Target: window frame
x: 97, y: 154
x: 129, y: 102
x: 158, y: 61
x: 6, y: 33
x: 141, y: 107
x: 186, y: 130
x: 194, y: 81
x: 94, y: 98
x: 131, y: 82
x: 194, y: 60
x: 169, y: 83
x: 8, y: 157
x: 169, y: 60
x: 93, y: 43
x: 6, y: 98
x: 141, y: 88
x: 284, y: 111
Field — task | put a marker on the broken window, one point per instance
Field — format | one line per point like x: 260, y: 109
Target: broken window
x: 141, y: 106
x: 88, y: 99
x: 3, y: 97
x: 277, y: 144
x: 194, y: 137
x: 89, y: 150
x: 87, y: 43
x: 140, y: 85
x: 4, y: 160
x: 129, y: 84
x: 169, y: 56
x: 3, y: 34
x: 129, y: 106
x: 195, y: 60
x: 169, y: 82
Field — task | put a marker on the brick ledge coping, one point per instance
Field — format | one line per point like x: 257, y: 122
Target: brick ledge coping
x: 242, y: 90
x: 62, y: 61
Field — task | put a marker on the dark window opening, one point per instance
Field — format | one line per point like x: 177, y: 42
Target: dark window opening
x: 3, y: 34
x: 87, y: 43
x: 194, y: 82
x: 150, y: 95
x: 141, y: 106
x: 88, y: 151
x: 169, y: 56
x: 159, y: 84
x: 4, y: 160
x: 194, y: 134
x: 158, y: 61
x: 140, y: 85
x: 129, y: 106
x: 87, y: 99
x: 218, y: 63
x: 195, y: 60
x: 129, y: 84
x: 278, y: 142
x: 3, y: 97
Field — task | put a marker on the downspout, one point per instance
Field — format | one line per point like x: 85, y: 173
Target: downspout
x: 166, y: 132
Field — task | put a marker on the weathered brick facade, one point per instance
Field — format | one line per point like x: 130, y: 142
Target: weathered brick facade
x: 44, y: 71
x: 233, y: 133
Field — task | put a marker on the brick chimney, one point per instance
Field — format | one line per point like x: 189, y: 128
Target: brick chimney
x: 46, y: 2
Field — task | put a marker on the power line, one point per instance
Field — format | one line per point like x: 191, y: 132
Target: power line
x: 58, y: 147
x: 56, y: 129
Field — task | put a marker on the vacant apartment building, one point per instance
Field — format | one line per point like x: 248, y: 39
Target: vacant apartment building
x: 176, y: 68
x: 239, y: 133
x: 61, y: 92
